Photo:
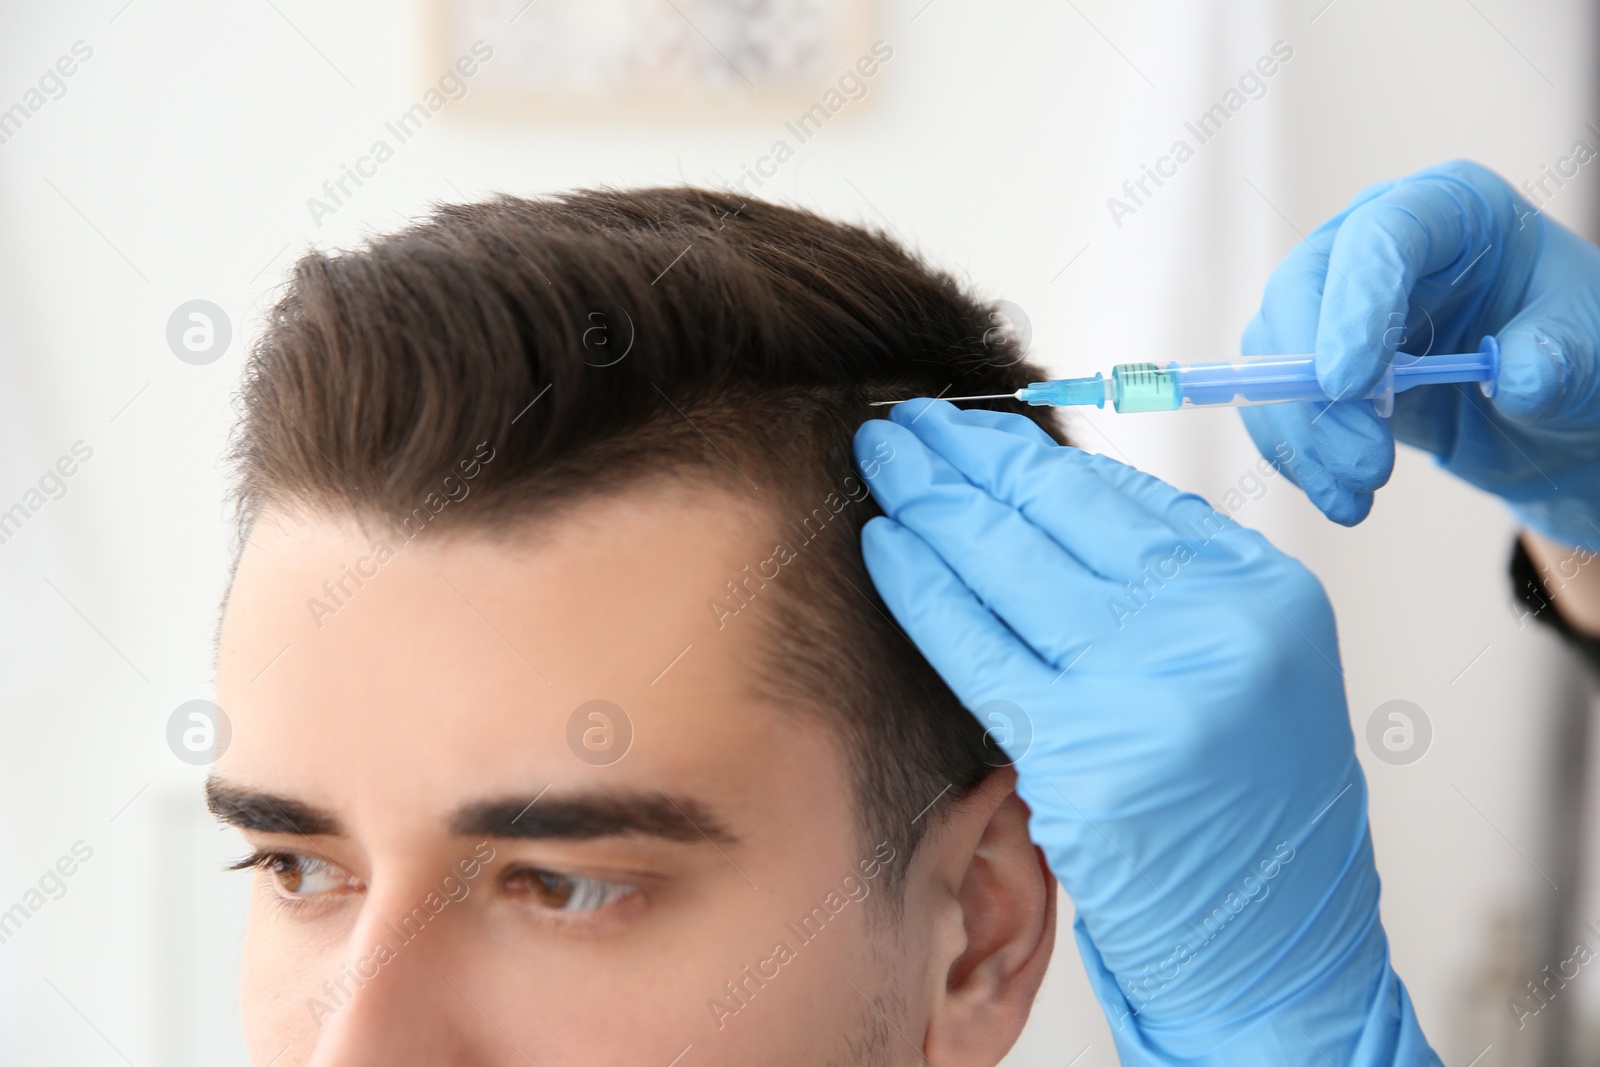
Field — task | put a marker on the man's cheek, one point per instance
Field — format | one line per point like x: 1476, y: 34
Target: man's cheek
x: 275, y: 982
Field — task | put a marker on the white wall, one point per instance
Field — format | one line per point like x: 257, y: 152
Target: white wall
x: 178, y: 164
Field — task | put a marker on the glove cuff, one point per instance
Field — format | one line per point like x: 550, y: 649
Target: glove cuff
x: 1355, y: 1018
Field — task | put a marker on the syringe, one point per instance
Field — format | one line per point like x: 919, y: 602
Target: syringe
x: 1248, y: 380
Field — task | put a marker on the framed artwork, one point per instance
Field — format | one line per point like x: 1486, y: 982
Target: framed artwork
x: 650, y: 55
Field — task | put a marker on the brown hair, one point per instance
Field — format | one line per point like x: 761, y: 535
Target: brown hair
x: 600, y: 338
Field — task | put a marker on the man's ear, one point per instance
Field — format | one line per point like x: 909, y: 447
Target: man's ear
x: 997, y: 925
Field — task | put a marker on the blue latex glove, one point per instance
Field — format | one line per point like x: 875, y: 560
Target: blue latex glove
x: 1169, y: 686
x: 1434, y: 262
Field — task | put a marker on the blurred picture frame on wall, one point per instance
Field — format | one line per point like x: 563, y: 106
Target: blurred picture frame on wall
x: 689, y: 58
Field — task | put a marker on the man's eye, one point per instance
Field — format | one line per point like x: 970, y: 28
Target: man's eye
x: 296, y: 877
x: 567, y: 892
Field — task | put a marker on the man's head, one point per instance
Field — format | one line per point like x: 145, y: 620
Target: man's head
x: 564, y: 710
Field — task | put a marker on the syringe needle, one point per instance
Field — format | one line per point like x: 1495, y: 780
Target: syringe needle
x: 986, y: 396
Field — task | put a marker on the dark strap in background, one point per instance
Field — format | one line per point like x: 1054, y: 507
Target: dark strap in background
x: 1529, y: 588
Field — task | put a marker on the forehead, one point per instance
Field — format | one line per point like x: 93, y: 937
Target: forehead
x: 358, y: 667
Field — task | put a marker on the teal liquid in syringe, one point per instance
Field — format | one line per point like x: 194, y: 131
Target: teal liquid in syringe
x: 1250, y: 380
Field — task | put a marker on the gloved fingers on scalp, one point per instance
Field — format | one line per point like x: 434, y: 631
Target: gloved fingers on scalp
x: 1057, y: 489
x: 973, y: 651
x: 1008, y: 562
x: 1193, y: 518
x: 1157, y: 497
x: 1009, y: 421
x: 1283, y: 434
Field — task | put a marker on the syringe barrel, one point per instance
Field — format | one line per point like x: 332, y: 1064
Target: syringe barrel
x: 1248, y: 380
x: 1278, y: 378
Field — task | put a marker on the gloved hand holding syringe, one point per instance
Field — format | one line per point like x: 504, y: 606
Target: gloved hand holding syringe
x: 1245, y: 380
x: 1175, y: 742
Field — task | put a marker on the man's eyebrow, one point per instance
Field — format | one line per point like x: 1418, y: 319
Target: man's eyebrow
x: 268, y: 813
x: 587, y: 816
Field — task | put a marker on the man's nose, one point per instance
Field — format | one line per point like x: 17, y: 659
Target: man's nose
x: 394, y: 1000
